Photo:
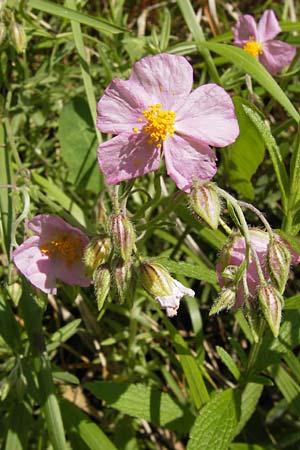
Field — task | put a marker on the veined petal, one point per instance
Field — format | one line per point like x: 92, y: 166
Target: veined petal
x: 277, y: 55
x: 35, y: 266
x: 268, y: 26
x: 168, y: 79
x: 70, y: 273
x: 127, y: 156
x: 208, y: 116
x: 121, y: 106
x: 171, y: 302
x: 186, y: 160
x: 244, y: 30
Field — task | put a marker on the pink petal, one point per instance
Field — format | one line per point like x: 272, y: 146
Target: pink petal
x: 168, y: 79
x: 186, y: 160
x: 127, y: 156
x: 70, y: 273
x: 277, y: 55
x: 35, y: 266
x: 121, y: 106
x: 48, y: 227
x: 245, y: 29
x: 268, y: 26
x: 208, y: 116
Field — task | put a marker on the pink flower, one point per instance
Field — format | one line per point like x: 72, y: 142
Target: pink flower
x: 155, y: 110
x: 233, y: 254
x: 55, y: 252
x: 171, y: 302
x: 258, y: 40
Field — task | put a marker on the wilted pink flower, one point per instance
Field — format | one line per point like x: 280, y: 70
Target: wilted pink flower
x: 55, y: 252
x: 234, y: 253
x: 258, y: 40
x: 155, y: 110
x: 171, y: 302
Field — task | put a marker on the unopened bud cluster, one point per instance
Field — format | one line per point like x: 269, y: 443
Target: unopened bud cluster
x: 108, y: 258
x: 259, y: 282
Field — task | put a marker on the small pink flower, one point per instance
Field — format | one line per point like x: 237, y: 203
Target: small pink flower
x: 258, y: 40
x: 234, y: 253
x: 155, y: 110
x: 171, y: 302
x: 55, y: 252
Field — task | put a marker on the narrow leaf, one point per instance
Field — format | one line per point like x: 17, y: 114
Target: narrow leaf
x: 228, y: 361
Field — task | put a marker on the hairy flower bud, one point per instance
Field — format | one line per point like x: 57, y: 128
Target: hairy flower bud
x: 206, y: 204
x: 122, y: 234
x: 279, y: 260
x: 271, y: 304
x: 2, y: 32
x: 167, y: 291
x: 18, y: 37
x: 97, y: 253
x: 225, y: 300
x: 155, y: 279
x: 102, y: 281
x: 123, y: 278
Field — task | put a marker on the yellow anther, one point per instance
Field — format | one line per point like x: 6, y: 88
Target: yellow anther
x: 135, y: 130
x: 68, y: 247
x: 253, y: 47
x: 160, y: 124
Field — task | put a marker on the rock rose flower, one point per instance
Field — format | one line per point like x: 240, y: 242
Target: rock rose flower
x: 54, y: 252
x: 167, y: 291
x: 156, y: 111
x: 258, y: 41
x: 234, y: 253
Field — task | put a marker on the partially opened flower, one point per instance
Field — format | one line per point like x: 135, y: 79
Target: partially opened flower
x: 167, y: 291
x: 258, y: 41
x: 234, y: 253
x: 155, y: 110
x: 54, y: 252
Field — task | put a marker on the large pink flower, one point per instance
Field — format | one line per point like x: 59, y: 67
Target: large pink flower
x: 155, y: 110
x: 258, y: 40
x: 234, y: 253
x: 55, y: 252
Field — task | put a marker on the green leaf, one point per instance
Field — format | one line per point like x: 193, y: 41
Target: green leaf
x: 80, y: 427
x: 9, y: 329
x: 63, y: 334
x: 215, y: 426
x: 78, y: 143
x: 244, y: 446
x: 250, y: 65
x: 250, y: 398
x: 66, y: 13
x: 189, y: 270
x: 275, y: 155
x: 61, y: 198
x: 287, y: 386
x: 292, y: 302
x: 6, y: 203
x: 228, y: 361
x: 143, y: 402
x: 19, y: 422
x: 243, y: 157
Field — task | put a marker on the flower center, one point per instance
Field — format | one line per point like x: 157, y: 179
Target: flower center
x: 253, y: 47
x: 68, y: 247
x: 159, y: 126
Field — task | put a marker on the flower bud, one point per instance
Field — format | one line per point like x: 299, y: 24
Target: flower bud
x: 206, y: 204
x: 271, y: 304
x: 102, y: 281
x: 97, y: 253
x: 18, y: 37
x: 225, y: 300
x: 122, y: 234
x: 279, y: 260
x: 2, y: 32
x: 155, y: 279
x: 123, y: 277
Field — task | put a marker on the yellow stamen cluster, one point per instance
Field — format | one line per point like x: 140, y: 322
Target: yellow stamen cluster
x: 253, y: 47
x: 68, y: 247
x: 159, y: 126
